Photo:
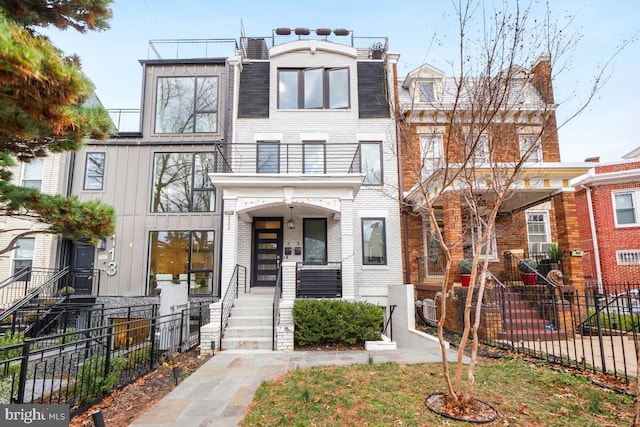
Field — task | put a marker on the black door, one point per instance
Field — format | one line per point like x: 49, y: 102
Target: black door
x: 82, y: 267
x: 267, y: 250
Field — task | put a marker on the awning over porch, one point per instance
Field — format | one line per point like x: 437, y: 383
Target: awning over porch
x: 537, y: 183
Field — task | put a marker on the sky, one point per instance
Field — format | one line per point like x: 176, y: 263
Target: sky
x: 422, y: 31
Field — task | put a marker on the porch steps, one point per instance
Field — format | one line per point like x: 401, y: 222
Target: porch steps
x: 523, y: 322
x: 250, y: 323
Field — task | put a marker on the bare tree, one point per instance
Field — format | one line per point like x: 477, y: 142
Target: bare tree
x: 481, y: 132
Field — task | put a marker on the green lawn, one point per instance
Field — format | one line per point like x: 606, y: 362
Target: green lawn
x: 388, y: 394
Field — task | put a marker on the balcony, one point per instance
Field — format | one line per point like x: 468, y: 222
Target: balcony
x: 191, y: 48
x: 125, y: 120
x: 293, y: 159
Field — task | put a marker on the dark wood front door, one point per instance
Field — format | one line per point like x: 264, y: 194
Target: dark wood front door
x: 267, y: 251
x: 82, y: 267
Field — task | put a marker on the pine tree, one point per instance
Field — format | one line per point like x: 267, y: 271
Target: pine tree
x: 45, y: 107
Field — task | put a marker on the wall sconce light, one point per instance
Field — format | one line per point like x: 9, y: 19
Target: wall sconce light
x: 102, y: 244
x: 291, y: 225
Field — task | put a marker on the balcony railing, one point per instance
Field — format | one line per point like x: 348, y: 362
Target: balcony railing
x: 125, y: 119
x: 292, y: 159
x: 192, y: 48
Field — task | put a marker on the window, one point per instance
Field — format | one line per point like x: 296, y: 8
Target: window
x: 181, y: 182
x: 94, y: 171
x: 187, y: 104
x: 268, y: 160
x: 538, y: 231
x: 23, y: 257
x: 313, y: 88
x: 628, y: 257
x: 374, y: 241
x: 313, y: 158
x: 371, y: 162
x: 482, y: 150
x: 32, y: 174
x: 431, y: 151
x: 181, y: 257
x: 625, y: 208
x: 426, y: 92
x: 530, y: 148
x: 314, y: 231
x: 489, y: 248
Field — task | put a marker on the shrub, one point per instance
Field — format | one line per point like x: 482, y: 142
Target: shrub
x: 620, y: 322
x: 528, y: 265
x: 92, y: 381
x: 335, y: 321
x: 465, y: 265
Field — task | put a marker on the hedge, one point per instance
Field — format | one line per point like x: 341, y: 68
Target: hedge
x: 336, y: 321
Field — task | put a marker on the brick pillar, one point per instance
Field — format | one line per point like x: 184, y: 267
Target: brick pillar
x: 569, y: 239
x: 453, y: 231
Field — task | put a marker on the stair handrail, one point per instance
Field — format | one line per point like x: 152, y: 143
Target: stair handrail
x: 275, y: 318
x: 230, y: 296
x: 17, y: 276
x: 532, y: 270
x: 53, y: 280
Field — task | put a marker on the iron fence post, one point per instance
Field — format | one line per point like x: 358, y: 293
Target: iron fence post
x: 107, y: 359
x: 153, y: 341
x: 596, y: 298
x: 24, y: 366
x: 181, y: 336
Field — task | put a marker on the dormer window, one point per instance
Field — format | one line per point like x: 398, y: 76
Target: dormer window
x: 426, y: 92
x: 187, y: 105
x: 313, y: 88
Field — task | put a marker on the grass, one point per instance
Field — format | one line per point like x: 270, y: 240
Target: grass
x: 388, y: 394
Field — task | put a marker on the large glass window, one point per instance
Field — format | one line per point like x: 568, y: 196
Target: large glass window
x: 268, y: 157
x: 374, y: 241
x: 315, y: 240
x: 313, y: 158
x: 625, y: 208
x: 181, y: 257
x: 94, y: 171
x: 181, y: 182
x: 187, y: 104
x: 32, y: 174
x: 371, y: 163
x: 313, y: 88
x: 23, y: 257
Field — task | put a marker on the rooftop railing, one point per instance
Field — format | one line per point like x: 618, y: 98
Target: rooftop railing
x: 192, y: 48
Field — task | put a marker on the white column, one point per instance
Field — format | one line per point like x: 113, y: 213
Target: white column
x: 229, y: 243
x: 346, y: 227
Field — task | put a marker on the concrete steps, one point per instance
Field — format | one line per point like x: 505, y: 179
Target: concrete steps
x: 250, y: 324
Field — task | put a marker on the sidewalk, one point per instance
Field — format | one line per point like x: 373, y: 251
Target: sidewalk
x: 219, y: 392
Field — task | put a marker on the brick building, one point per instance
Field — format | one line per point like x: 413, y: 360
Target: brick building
x: 607, y: 201
x: 437, y: 125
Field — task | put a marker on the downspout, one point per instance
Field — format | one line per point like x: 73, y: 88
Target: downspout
x: 594, y: 238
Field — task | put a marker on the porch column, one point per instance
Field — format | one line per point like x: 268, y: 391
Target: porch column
x: 453, y: 231
x: 347, y: 255
x: 229, y: 244
x: 569, y: 238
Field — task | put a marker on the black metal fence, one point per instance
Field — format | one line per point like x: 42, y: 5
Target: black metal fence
x: 581, y: 329
x: 81, y: 365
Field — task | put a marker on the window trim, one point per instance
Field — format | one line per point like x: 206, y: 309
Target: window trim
x: 17, y: 258
x: 547, y: 224
x: 535, y: 156
x: 380, y: 159
x: 423, y: 152
x: 25, y: 165
x: 86, y: 170
x: 383, y: 255
x: 194, y: 111
x: 635, y: 198
x: 434, y: 96
x: 326, y: 89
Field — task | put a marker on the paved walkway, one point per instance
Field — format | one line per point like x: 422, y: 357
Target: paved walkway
x: 219, y: 392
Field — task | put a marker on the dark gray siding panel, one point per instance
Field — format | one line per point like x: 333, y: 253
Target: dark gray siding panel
x: 254, y: 90
x: 372, y: 90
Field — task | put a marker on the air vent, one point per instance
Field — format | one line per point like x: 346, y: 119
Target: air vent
x: 628, y: 257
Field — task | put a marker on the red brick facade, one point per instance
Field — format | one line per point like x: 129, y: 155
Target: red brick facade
x: 610, y: 238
